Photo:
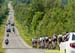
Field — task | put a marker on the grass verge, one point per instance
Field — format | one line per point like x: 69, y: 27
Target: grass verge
x: 2, y: 29
x: 54, y: 51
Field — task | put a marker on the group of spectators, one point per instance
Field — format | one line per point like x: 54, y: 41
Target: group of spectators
x: 49, y: 42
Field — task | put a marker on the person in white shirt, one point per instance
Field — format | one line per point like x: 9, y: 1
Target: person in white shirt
x: 46, y: 42
x: 42, y: 42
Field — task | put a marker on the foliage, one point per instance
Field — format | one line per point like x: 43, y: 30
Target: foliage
x: 45, y: 17
x: 3, y: 10
x: 3, y: 14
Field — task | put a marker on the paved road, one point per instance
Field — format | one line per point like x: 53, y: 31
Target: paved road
x: 16, y: 43
x: 24, y: 51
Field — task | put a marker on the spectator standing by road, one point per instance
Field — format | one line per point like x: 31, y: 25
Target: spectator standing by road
x: 42, y: 44
x: 49, y: 43
x: 34, y: 43
x: 60, y: 39
x: 54, y: 41
x: 46, y: 42
x: 65, y: 35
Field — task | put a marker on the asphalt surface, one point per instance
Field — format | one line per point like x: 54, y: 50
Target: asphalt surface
x: 16, y: 43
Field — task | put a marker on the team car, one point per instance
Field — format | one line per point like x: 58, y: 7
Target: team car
x: 69, y: 45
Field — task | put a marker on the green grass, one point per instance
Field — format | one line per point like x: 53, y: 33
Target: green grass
x: 1, y: 50
x: 2, y: 30
x: 54, y: 51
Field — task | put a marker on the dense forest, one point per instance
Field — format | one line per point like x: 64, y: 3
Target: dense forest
x: 3, y: 10
x: 45, y: 17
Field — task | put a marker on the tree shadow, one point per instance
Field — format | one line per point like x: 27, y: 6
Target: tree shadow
x: 2, y: 19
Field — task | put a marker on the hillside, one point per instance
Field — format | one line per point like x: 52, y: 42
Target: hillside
x: 37, y: 18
